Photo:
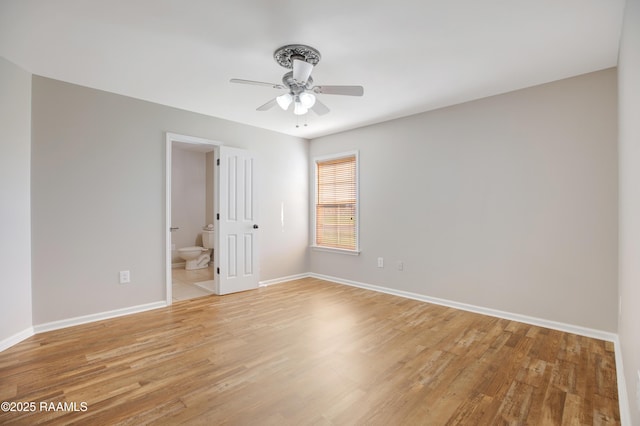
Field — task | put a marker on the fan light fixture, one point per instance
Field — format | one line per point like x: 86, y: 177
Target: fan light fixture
x: 284, y: 101
x: 301, y: 102
x: 298, y: 108
x: 307, y: 99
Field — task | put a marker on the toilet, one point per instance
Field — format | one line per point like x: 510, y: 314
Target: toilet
x: 198, y: 257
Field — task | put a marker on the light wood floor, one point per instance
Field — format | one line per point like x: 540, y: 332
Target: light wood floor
x: 311, y: 352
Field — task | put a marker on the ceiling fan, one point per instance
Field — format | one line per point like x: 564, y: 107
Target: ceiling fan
x: 298, y: 83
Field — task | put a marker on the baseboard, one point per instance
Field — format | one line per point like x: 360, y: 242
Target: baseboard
x: 569, y: 328
x: 623, y: 397
x: 70, y: 322
x: 16, y: 338
x: 283, y: 279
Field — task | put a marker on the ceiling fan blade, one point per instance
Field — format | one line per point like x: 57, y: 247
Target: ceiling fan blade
x: 257, y: 83
x: 301, y: 71
x: 268, y: 105
x: 319, y: 108
x: 340, y: 90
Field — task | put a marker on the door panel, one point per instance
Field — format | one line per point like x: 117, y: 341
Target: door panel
x: 238, y: 235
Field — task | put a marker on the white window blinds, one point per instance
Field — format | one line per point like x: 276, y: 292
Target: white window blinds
x: 336, y: 203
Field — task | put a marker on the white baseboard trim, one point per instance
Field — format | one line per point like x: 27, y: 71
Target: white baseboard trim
x: 623, y: 397
x: 283, y: 279
x: 569, y: 328
x: 70, y: 322
x: 16, y: 338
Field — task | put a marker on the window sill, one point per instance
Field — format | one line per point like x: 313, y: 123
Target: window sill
x: 336, y: 250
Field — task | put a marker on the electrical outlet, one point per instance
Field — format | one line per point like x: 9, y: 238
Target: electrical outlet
x: 125, y: 277
x: 400, y: 265
x: 380, y: 262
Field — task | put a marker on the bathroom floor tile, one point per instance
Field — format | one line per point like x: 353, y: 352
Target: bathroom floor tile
x: 184, y: 283
x: 188, y: 291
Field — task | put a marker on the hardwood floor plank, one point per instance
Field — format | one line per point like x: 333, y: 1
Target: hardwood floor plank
x: 516, y: 404
x: 553, y: 406
x: 311, y: 352
x: 573, y: 413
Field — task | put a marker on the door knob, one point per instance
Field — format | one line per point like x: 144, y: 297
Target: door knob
x: 255, y: 226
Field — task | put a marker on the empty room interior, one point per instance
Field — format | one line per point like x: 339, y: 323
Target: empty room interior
x: 320, y: 212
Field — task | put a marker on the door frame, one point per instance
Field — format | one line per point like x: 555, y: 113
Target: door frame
x: 192, y: 140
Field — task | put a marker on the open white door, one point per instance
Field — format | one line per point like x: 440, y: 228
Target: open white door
x: 237, y: 225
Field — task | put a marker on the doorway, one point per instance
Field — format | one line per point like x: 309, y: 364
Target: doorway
x: 208, y: 150
x: 234, y: 204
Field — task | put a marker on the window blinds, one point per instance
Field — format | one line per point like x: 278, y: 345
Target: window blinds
x: 336, y: 202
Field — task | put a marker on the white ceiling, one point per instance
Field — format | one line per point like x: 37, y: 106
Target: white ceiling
x: 410, y: 55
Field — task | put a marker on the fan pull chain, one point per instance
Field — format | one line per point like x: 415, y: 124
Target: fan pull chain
x: 298, y: 121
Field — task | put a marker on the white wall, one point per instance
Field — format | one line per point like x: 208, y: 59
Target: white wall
x: 209, y: 188
x: 15, y: 219
x: 188, y: 198
x: 508, y: 202
x: 98, y: 197
x: 629, y: 142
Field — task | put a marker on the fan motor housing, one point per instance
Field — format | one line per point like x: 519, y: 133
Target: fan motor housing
x: 295, y: 87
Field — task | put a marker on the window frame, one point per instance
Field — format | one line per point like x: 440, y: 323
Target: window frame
x: 314, y: 191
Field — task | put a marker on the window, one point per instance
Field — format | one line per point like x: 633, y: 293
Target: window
x: 336, y: 202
